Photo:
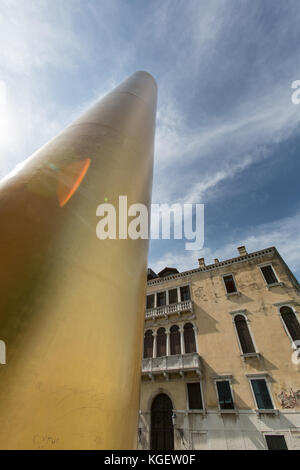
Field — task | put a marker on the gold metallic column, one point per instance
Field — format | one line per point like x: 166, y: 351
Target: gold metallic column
x: 71, y: 305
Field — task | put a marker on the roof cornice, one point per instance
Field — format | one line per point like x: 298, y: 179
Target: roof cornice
x: 210, y: 267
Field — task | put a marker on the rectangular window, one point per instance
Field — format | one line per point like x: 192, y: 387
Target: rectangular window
x: 194, y: 395
x: 276, y: 442
x: 229, y: 284
x: 150, y: 301
x: 185, y: 293
x: 262, y: 395
x: 161, y: 299
x: 269, y: 275
x: 225, y: 396
x: 173, y: 297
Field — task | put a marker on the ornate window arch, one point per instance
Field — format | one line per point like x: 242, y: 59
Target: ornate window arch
x: 290, y: 322
x: 189, y: 338
x: 161, y: 345
x: 175, y: 346
x: 243, y: 333
x: 148, y: 344
x: 245, y: 339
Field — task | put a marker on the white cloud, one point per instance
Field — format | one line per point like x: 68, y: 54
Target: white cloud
x: 36, y: 34
x: 223, y: 149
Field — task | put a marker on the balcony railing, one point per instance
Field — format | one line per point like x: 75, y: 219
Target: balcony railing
x: 177, y: 363
x: 180, y: 307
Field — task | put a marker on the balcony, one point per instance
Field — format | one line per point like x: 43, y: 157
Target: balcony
x: 177, y: 364
x: 178, y: 308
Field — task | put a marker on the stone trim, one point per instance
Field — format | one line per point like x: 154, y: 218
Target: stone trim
x: 210, y: 267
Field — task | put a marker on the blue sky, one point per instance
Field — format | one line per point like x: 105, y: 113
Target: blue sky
x: 227, y: 133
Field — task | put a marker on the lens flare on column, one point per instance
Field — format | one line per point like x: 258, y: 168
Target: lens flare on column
x: 69, y: 180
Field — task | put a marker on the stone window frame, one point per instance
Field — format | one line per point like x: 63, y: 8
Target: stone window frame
x: 144, y: 337
x: 222, y: 378
x: 274, y: 284
x: 186, y: 284
x: 243, y: 355
x: 190, y: 410
x: 289, y: 304
x: 229, y: 294
x: 266, y: 377
x: 195, y: 328
x: 168, y: 345
x: 154, y: 300
x: 275, y: 432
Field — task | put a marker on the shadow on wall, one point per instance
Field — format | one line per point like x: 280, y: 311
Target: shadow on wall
x: 208, y: 323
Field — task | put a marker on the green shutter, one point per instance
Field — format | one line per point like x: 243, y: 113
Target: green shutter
x: 262, y: 395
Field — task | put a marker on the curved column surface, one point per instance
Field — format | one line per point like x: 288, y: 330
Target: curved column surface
x: 72, y: 306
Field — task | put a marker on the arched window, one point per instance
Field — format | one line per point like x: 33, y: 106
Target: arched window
x: 175, y: 340
x: 161, y: 346
x: 291, y: 322
x: 189, y: 338
x: 244, y: 334
x: 148, y: 344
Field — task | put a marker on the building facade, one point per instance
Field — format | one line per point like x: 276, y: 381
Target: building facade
x: 221, y: 365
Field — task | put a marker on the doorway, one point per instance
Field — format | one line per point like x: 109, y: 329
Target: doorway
x: 162, y: 432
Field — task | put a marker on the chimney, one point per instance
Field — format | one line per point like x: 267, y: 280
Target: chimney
x: 242, y: 250
x: 201, y: 262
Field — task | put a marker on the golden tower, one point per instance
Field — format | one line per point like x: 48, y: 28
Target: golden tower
x: 72, y: 306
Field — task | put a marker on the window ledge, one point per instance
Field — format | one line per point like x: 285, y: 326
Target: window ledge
x: 232, y: 293
x: 233, y: 411
x: 260, y: 412
x: 275, y: 284
x: 250, y: 355
x: 196, y: 411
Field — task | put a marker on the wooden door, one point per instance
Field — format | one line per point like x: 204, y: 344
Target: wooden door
x: 162, y: 433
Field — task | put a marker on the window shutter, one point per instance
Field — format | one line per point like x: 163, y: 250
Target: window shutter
x: 150, y: 301
x: 185, y: 293
x: 244, y: 334
x: 262, y: 395
x: 194, y: 395
x: 225, y: 397
x: 148, y: 344
x: 291, y: 322
x: 161, y: 299
x: 276, y: 443
x: 269, y: 274
x: 173, y: 298
x: 189, y: 338
x: 175, y: 340
x: 229, y: 284
x: 161, y: 342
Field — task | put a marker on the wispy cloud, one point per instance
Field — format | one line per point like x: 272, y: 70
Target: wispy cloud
x: 36, y: 35
x: 221, y: 149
